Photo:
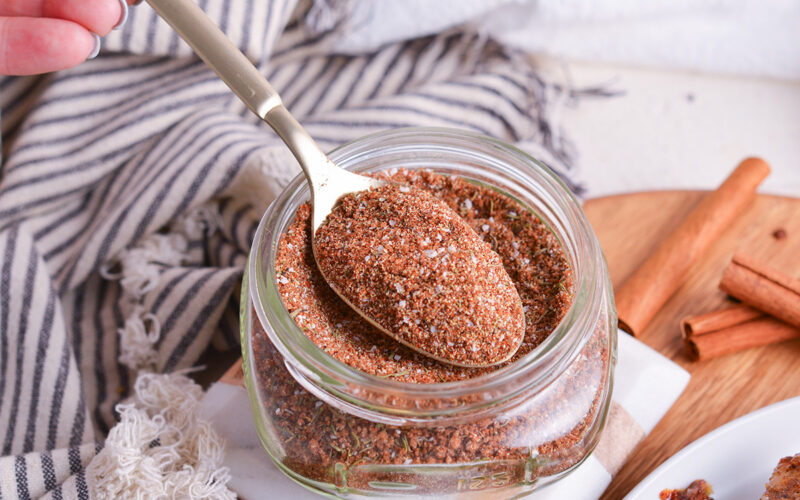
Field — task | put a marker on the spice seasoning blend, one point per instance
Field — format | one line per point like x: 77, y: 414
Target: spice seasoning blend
x: 530, y: 256
x: 413, y: 266
x: 347, y: 410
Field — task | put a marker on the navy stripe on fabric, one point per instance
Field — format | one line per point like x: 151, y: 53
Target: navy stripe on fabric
x: 99, y: 365
x: 5, y: 297
x: 21, y: 473
x: 76, y: 328
x: 167, y: 289
x: 48, y: 470
x: 78, y: 424
x: 122, y: 370
x: 58, y: 396
x: 183, y: 304
x: 27, y: 299
x: 41, y: 355
x: 202, y: 317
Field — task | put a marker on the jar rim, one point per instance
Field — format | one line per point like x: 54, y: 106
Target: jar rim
x: 549, y: 358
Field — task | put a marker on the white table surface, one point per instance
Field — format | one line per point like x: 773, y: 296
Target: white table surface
x: 675, y: 129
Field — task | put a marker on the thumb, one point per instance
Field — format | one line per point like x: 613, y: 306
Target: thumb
x: 30, y: 45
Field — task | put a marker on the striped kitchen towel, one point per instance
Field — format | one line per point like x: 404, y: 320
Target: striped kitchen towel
x: 129, y: 191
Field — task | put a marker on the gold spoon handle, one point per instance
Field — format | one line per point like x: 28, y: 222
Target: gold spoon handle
x: 221, y: 55
x: 328, y: 182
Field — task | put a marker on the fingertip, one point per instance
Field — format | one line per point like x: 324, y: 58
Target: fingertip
x: 124, y: 16
x: 98, y: 42
x: 97, y: 16
x: 30, y: 46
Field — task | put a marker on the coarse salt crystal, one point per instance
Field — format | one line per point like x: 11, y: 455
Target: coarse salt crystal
x: 452, y: 249
x: 397, y: 357
x: 399, y: 288
x: 485, y: 228
x: 392, y: 223
x: 467, y: 203
x: 402, y: 303
x: 404, y: 189
x: 430, y: 253
x: 434, y: 330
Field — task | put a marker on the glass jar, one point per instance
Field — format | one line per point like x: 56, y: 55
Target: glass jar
x: 516, y: 429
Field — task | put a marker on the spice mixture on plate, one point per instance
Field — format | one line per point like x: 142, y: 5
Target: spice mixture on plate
x: 412, y: 265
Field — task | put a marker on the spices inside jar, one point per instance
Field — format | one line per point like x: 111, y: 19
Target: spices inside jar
x: 316, y: 437
x: 407, y: 261
x: 502, y: 430
x: 530, y: 255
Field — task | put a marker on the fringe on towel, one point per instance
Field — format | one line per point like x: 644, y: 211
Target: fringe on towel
x: 161, y: 448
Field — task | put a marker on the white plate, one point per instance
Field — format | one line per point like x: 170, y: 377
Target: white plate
x: 735, y: 459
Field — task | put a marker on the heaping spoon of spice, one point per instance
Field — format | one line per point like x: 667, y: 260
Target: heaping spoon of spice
x: 399, y: 256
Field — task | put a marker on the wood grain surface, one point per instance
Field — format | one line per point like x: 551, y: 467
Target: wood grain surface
x: 629, y: 227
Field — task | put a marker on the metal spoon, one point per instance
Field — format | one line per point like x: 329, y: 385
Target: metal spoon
x: 328, y: 182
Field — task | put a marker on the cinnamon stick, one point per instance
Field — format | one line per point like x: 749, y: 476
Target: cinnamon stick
x: 731, y: 330
x: 763, y: 287
x: 656, y: 280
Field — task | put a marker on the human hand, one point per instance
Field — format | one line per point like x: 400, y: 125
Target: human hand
x: 39, y: 36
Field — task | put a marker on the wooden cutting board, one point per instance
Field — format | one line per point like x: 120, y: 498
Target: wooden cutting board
x: 629, y: 227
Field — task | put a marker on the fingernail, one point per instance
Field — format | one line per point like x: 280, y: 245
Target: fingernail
x: 96, y: 49
x: 124, y: 16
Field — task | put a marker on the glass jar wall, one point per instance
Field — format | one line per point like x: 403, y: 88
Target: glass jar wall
x: 344, y: 432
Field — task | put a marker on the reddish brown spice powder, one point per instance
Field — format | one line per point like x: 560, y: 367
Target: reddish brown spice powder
x: 413, y: 266
x: 324, y: 444
x: 698, y: 490
x: 531, y: 257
